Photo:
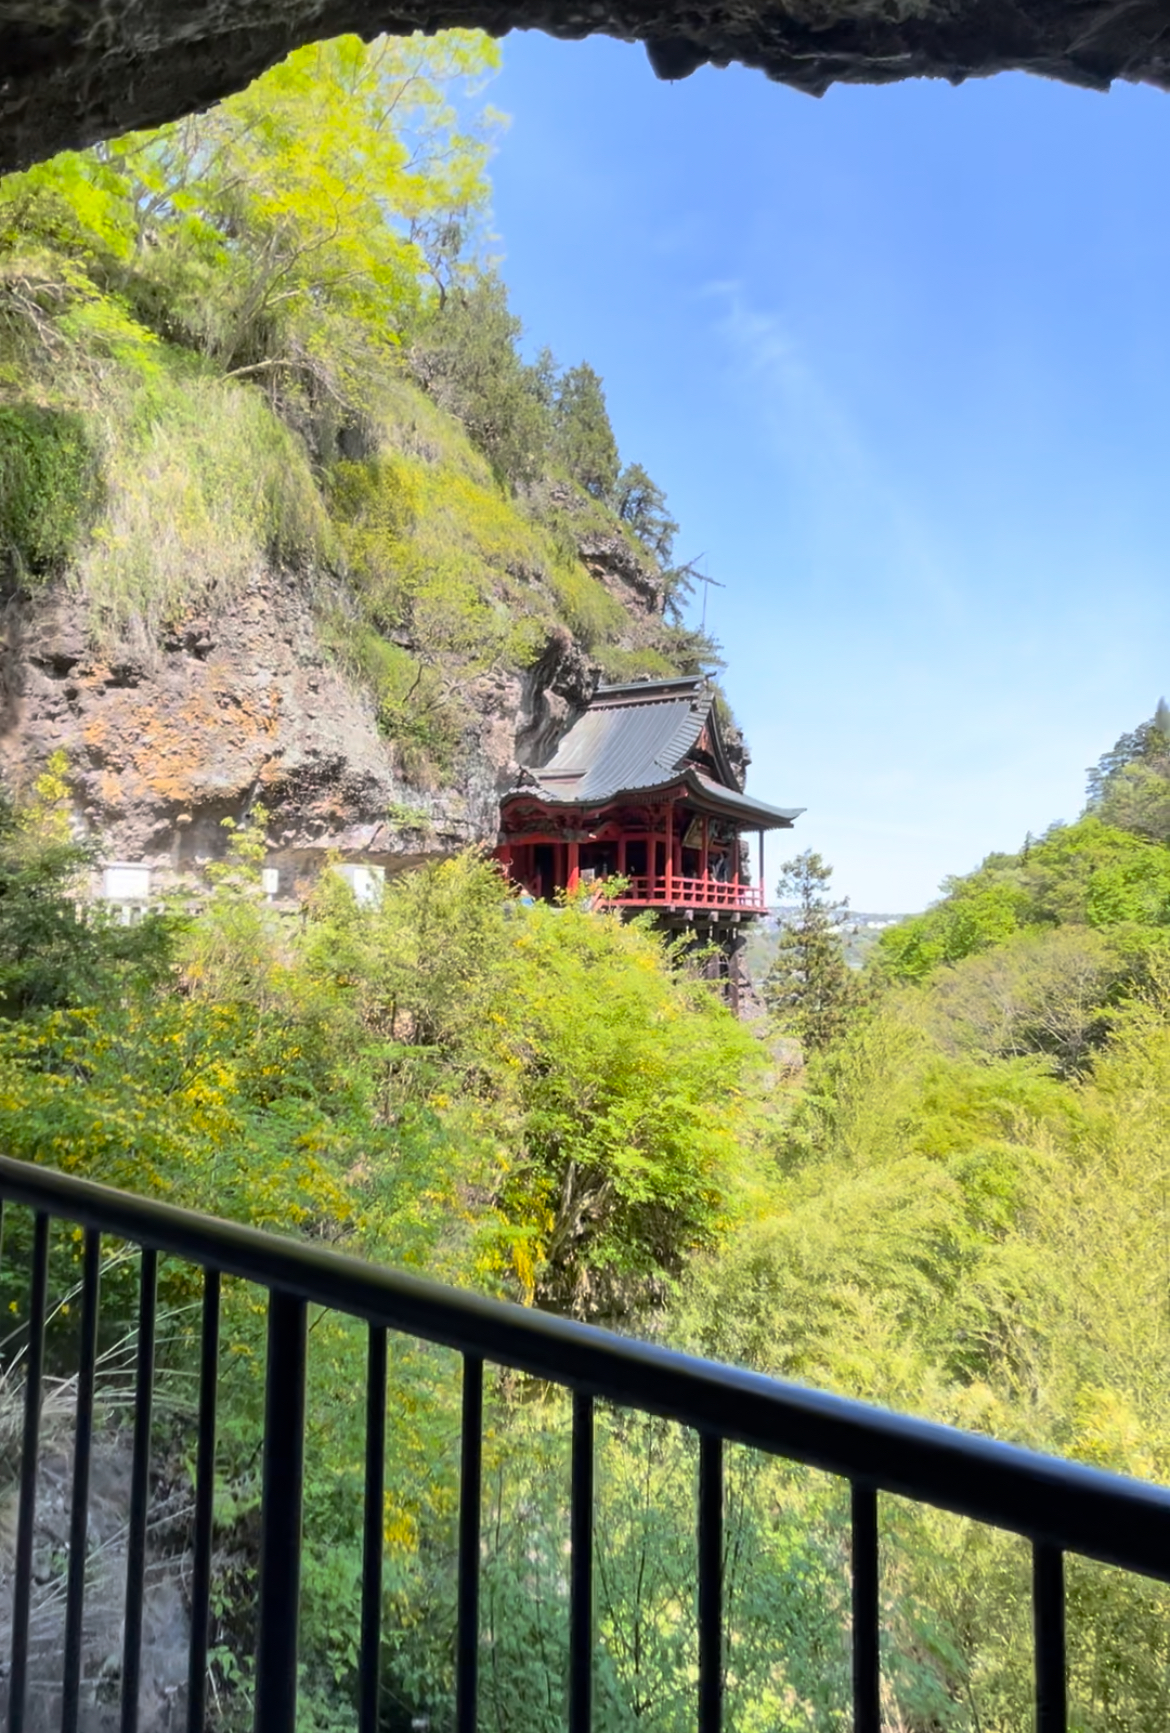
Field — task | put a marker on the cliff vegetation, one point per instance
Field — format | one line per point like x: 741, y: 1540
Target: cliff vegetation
x: 263, y: 352
x: 959, y: 1208
x: 260, y: 350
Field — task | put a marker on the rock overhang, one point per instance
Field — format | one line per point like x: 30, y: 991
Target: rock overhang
x: 72, y: 71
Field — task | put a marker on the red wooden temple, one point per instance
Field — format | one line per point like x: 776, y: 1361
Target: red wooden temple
x: 641, y: 787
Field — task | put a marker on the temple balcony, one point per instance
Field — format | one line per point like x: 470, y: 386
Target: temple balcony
x: 703, y: 895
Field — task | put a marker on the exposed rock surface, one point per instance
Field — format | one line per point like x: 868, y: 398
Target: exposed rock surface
x: 738, y: 756
x: 72, y: 71
x: 245, y: 706
x: 561, y: 683
x: 166, y: 1617
x: 613, y: 562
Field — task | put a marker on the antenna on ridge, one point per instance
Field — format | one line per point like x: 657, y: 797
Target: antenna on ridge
x: 701, y: 578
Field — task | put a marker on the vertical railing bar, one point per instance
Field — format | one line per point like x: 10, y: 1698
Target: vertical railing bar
x: 372, y: 1536
x: 203, y: 1537
x: 581, y: 1567
x: 82, y: 1456
x: 280, y: 1515
x: 710, y: 1583
x: 1048, y: 1620
x: 866, y: 1616
x: 30, y: 1446
x: 470, y: 1499
x: 139, y: 1490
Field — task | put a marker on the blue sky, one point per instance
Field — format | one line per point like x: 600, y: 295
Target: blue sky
x: 901, y: 360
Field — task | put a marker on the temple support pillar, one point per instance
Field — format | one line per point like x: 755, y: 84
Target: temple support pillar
x: 668, y: 853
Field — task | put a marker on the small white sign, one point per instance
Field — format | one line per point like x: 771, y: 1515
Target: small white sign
x: 126, y: 884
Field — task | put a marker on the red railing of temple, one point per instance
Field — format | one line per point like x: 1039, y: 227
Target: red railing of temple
x: 691, y: 893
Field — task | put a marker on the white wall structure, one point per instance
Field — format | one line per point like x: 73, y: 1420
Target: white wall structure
x: 122, y: 883
x: 366, y: 882
x: 126, y: 887
x: 270, y: 880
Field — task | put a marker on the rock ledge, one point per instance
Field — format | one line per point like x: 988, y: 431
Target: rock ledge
x: 72, y: 72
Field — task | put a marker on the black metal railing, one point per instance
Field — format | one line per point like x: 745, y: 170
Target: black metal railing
x: 1059, y: 1506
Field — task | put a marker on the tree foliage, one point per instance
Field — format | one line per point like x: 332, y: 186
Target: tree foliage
x: 1148, y: 744
x: 56, y: 948
x: 48, y: 487
x: 960, y: 1211
x: 582, y: 431
x: 809, y: 988
x: 466, y: 356
x: 641, y: 504
x: 278, y: 232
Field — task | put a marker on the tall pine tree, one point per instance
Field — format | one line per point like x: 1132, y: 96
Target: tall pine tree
x: 810, y: 989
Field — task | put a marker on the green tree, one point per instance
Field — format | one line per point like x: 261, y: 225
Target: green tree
x: 1147, y: 744
x: 641, y: 504
x: 584, y: 437
x: 56, y: 947
x: 601, y: 1095
x: 1137, y: 799
x: 465, y: 356
x: 809, y: 988
x: 1045, y: 990
x: 281, y: 232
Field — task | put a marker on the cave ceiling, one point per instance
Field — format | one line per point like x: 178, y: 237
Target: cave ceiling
x: 73, y: 71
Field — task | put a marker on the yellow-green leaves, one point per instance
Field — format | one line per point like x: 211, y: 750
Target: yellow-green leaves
x: 311, y: 189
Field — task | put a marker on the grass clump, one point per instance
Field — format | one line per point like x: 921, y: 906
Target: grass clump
x: 207, y: 486
x: 590, y: 612
x: 49, y: 487
x: 618, y: 665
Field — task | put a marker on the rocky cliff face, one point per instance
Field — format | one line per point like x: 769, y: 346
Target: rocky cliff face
x: 73, y: 72
x: 243, y: 705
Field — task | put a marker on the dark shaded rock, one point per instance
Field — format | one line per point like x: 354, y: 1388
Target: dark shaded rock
x: 675, y: 57
x: 738, y: 755
x: 554, y: 691
x: 71, y: 72
x: 614, y: 563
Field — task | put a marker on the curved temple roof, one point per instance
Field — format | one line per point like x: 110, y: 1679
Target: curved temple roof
x: 640, y: 739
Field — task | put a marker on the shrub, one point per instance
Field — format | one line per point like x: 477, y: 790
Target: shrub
x: 466, y: 358
x: 49, y: 486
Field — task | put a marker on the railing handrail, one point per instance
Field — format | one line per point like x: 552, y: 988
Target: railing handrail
x: 1064, y: 1504
x: 712, y: 892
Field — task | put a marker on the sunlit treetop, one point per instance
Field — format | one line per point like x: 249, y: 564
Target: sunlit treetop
x: 296, y: 223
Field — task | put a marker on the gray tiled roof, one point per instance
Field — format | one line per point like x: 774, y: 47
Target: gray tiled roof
x: 634, y: 740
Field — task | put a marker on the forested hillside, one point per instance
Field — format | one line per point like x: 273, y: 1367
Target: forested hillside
x: 258, y: 356
x: 938, y: 1215
x: 972, y: 1213
x: 276, y: 478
